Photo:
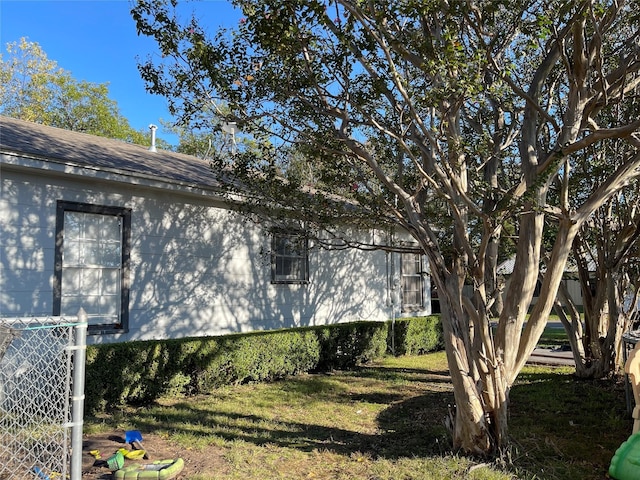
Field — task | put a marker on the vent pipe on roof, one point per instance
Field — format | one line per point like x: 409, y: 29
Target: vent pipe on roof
x: 153, y: 129
x: 231, y: 128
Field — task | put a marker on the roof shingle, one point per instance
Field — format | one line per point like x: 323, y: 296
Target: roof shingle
x: 83, y: 150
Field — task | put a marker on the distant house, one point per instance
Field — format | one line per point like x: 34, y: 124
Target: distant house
x: 146, y: 243
x: 570, y: 277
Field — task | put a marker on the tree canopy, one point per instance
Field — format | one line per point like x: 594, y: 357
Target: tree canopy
x: 35, y: 89
x: 461, y: 122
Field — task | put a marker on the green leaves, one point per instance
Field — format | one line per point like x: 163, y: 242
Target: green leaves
x: 442, y: 118
x: 417, y: 100
x: 35, y: 89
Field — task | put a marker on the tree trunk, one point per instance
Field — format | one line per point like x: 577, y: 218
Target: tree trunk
x: 472, y: 432
x: 597, y: 351
x: 548, y: 292
x: 481, y: 394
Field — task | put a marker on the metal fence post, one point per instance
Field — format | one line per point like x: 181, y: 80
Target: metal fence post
x: 41, y: 396
x: 77, y: 411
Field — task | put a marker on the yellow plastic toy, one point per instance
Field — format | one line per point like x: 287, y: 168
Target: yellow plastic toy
x: 133, y: 454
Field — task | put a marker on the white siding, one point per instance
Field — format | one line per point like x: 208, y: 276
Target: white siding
x: 196, y: 269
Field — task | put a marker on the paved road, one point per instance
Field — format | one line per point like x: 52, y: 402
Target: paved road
x: 552, y: 356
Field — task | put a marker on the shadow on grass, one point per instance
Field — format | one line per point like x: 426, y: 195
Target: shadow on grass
x: 403, y: 374
x: 565, y: 427
x: 407, y: 428
x: 562, y: 427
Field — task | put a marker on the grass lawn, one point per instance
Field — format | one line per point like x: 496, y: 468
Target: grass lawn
x: 554, y: 335
x: 385, y: 421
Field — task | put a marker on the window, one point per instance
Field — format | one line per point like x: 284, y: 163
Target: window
x: 412, y: 281
x: 92, y: 264
x: 289, y: 258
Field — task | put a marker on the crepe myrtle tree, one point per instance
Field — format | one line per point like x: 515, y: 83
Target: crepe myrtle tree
x: 450, y: 120
x: 606, y: 259
x: 605, y: 254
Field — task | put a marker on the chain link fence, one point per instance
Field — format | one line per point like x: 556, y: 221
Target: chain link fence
x: 41, y: 397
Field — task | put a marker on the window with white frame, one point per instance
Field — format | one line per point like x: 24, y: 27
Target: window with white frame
x: 289, y: 258
x: 412, y: 277
x: 92, y: 264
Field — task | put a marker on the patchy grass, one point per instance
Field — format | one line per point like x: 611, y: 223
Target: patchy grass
x: 554, y: 335
x: 564, y: 426
x: 385, y: 421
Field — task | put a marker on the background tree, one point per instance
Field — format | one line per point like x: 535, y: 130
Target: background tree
x: 450, y: 120
x: 605, y: 252
x: 35, y: 89
x: 218, y: 138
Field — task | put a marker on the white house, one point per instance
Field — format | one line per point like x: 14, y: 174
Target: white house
x: 145, y: 242
x: 570, y: 277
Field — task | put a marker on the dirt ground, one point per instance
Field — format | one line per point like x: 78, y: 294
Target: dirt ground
x: 157, y: 448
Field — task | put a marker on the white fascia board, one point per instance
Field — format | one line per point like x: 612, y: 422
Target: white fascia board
x: 24, y: 163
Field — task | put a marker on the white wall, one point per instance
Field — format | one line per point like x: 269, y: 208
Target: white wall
x: 195, y: 269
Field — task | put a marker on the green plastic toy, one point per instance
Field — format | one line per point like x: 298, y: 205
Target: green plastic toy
x: 159, y: 470
x: 625, y: 464
x: 115, y: 461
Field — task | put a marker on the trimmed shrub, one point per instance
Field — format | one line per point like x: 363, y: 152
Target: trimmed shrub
x: 416, y: 335
x: 138, y: 373
x: 344, y: 346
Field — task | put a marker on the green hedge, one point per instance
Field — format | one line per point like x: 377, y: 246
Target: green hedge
x: 138, y: 373
x: 416, y: 335
x: 345, y: 346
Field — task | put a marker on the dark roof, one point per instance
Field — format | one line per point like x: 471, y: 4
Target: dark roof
x: 80, y: 149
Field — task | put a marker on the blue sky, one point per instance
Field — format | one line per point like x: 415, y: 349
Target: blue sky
x: 96, y: 40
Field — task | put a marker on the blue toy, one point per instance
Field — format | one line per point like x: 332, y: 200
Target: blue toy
x: 131, y: 436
